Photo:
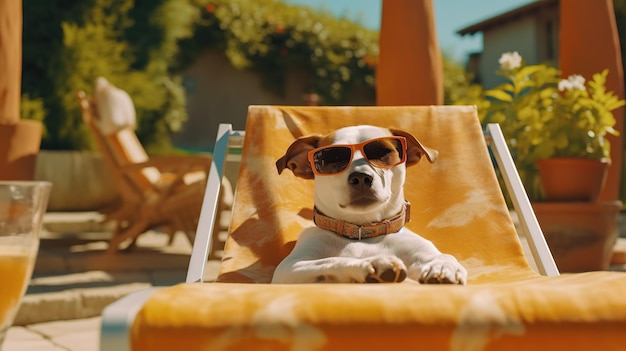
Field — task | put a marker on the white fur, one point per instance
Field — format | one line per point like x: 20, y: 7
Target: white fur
x: 323, y: 256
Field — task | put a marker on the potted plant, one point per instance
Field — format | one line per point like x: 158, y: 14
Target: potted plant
x: 556, y: 124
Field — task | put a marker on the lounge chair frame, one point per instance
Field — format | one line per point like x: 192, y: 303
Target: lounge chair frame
x: 171, y: 205
x: 119, y: 316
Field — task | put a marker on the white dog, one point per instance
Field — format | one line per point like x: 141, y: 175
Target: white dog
x: 360, y: 212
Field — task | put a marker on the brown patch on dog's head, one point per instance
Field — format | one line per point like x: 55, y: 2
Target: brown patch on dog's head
x: 296, y: 157
x: 415, y: 149
x: 393, y: 157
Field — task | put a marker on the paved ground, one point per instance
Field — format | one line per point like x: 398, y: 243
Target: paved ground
x: 74, y: 280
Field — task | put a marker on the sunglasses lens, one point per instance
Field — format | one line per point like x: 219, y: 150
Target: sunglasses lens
x: 332, y: 159
x: 384, y: 152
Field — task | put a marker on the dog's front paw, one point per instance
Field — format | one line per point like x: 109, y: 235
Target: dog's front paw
x: 385, y: 269
x: 443, y: 269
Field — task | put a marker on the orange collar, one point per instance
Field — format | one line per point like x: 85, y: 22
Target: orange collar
x: 358, y: 232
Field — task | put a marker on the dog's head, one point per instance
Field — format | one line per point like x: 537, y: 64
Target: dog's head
x: 359, y: 181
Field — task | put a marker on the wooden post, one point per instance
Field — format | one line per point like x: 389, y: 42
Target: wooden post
x: 19, y: 140
x: 410, y: 67
x: 10, y: 60
x: 589, y: 44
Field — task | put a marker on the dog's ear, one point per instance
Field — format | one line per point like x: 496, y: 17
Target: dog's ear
x: 415, y: 149
x: 296, y: 157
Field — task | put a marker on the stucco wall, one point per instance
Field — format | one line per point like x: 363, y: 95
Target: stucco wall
x: 219, y: 93
x: 534, y: 36
x: 519, y: 35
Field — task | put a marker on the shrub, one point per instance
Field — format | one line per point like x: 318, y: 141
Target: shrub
x: 272, y: 37
x: 68, y: 44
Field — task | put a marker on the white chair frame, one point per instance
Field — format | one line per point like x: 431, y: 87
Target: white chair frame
x: 118, y: 317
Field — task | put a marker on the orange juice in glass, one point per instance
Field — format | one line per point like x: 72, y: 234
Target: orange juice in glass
x: 22, y: 205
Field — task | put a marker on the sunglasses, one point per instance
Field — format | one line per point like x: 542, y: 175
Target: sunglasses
x: 385, y: 152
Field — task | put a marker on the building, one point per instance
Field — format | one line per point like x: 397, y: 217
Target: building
x: 532, y: 30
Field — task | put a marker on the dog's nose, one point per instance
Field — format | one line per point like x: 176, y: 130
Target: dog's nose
x: 360, y: 181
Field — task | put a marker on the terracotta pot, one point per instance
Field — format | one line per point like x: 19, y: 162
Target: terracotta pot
x: 19, y: 145
x: 572, y: 179
x: 581, y: 236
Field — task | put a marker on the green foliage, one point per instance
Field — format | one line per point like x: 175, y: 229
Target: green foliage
x: 68, y: 44
x: 136, y: 44
x: 272, y: 37
x: 457, y: 84
x: 543, y: 116
x: 32, y: 109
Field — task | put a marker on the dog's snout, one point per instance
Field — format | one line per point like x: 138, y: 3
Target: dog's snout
x: 360, y: 181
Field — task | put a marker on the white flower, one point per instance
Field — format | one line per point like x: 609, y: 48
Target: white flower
x: 573, y: 82
x: 510, y: 61
x: 565, y: 84
x: 578, y: 81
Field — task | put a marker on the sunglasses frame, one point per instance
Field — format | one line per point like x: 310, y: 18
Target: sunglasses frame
x: 357, y: 147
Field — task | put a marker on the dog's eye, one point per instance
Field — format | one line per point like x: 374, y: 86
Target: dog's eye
x: 376, y: 150
x: 338, y: 166
x: 383, y: 153
x: 332, y: 160
x: 378, y: 153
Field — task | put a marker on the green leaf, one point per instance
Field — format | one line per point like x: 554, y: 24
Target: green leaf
x: 499, y: 95
x: 544, y: 150
x: 561, y: 141
x: 526, y: 71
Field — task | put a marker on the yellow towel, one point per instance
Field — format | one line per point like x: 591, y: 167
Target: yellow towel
x: 456, y: 203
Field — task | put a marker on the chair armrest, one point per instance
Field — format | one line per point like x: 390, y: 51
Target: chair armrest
x: 118, y: 318
x: 174, y: 170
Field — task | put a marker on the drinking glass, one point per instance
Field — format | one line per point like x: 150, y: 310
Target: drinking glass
x: 22, y: 205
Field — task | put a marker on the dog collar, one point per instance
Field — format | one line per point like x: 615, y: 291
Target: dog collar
x: 358, y: 232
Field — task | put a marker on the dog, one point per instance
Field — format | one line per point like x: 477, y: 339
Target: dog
x: 360, y: 212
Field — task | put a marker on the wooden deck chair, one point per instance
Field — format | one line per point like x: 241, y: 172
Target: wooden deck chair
x: 157, y: 192
x: 456, y: 203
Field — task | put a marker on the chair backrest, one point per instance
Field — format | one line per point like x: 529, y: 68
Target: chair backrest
x: 456, y: 202
x: 120, y: 149
x: 126, y: 149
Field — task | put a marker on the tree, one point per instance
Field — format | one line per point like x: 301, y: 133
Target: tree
x: 68, y: 44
